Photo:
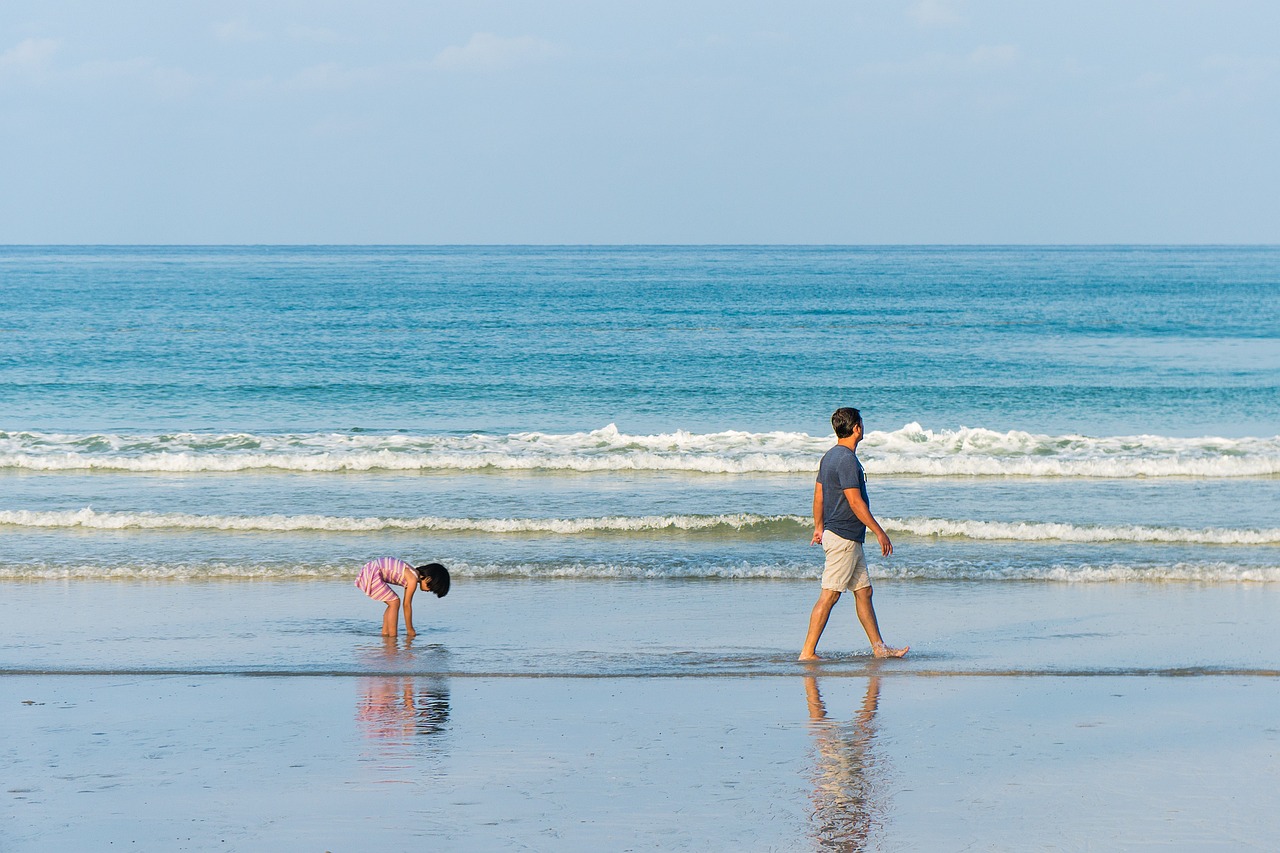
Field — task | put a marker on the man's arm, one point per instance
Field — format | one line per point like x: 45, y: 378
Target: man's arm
x: 817, y: 515
x: 863, y: 512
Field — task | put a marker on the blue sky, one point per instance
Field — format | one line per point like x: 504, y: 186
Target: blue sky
x: 655, y: 122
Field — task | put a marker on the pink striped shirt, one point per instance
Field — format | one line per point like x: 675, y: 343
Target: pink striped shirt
x: 376, y: 574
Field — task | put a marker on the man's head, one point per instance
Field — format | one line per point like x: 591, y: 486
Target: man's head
x: 845, y: 420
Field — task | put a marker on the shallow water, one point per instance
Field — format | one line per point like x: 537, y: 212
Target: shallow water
x: 638, y: 629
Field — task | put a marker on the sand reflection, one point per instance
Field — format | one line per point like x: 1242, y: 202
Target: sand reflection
x: 845, y: 809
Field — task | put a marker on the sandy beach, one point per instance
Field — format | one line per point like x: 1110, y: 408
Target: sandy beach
x: 659, y: 716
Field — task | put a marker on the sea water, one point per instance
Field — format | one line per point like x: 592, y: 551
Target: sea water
x: 1075, y: 450
x: 1053, y: 415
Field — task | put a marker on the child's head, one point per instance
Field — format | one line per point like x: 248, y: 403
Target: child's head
x: 434, y: 578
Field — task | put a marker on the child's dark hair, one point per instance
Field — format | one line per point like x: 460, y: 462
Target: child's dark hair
x: 438, y: 575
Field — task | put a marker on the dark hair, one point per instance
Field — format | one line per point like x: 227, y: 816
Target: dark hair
x: 438, y: 575
x: 845, y: 420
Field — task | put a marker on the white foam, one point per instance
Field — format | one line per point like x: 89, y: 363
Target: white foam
x: 782, y: 525
x: 896, y: 569
x: 982, y: 452
x: 172, y: 571
x: 1213, y: 572
x: 89, y: 518
x: 911, y: 450
x: 1028, y: 531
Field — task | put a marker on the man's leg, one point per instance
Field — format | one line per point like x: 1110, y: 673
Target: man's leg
x: 867, y: 616
x: 818, y: 621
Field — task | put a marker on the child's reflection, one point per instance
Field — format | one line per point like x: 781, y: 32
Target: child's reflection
x: 401, y: 710
x: 845, y: 812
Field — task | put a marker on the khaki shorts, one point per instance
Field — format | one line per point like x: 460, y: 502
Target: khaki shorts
x: 846, y: 569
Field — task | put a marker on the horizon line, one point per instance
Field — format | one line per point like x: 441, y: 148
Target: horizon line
x: 888, y: 245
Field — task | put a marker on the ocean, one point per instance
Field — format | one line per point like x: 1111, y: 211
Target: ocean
x: 1052, y: 415
x: 1075, y: 451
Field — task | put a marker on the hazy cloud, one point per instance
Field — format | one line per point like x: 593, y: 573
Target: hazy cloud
x: 34, y: 57
x: 237, y: 30
x: 1151, y: 80
x: 936, y: 13
x: 316, y: 35
x: 994, y: 56
x: 28, y: 56
x: 984, y: 58
x: 321, y: 77
x: 330, y: 76
x: 163, y: 80
x: 1252, y: 69
x: 488, y: 52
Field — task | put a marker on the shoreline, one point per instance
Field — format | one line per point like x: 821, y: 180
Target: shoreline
x: 637, y: 628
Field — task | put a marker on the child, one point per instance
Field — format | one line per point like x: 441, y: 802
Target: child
x: 375, y: 576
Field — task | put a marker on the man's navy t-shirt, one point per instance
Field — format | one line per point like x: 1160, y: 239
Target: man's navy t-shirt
x: 840, y: 470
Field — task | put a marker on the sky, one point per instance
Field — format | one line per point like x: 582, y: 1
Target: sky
x: 558, y: 122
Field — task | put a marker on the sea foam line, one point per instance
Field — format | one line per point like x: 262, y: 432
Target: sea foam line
x: 911, y: 450
x: 1183, y: 572
x: 95, y: 520
x: 897, y: 569
x: 1039, y: 531
x: 736, y: 523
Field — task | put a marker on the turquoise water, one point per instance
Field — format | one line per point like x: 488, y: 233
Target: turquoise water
x: 1047, y: 414
x: 1097, y: 341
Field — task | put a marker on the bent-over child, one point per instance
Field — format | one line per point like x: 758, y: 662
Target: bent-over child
x: 378, y: 576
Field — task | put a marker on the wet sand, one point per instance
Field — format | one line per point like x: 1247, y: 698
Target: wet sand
x: 571, y: 716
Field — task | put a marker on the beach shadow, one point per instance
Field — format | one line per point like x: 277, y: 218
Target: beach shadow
x: 846, y: 811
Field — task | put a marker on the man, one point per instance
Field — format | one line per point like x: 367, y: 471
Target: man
x: 841, y: 516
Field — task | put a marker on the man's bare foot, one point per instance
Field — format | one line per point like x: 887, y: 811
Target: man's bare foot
x: 880, y: 650
x: 808, y: 658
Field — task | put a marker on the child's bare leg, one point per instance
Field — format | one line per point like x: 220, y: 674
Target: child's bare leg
x: 867, y: 616
x: 817, y: 622
x: 391, y: 619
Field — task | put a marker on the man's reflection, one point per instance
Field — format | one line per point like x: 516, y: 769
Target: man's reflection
x: 845, y: 812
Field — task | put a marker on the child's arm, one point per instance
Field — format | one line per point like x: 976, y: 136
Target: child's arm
x: 410, y: 587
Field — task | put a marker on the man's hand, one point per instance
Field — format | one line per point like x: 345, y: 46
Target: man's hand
x: 886, y: 547
x: 817, y: 538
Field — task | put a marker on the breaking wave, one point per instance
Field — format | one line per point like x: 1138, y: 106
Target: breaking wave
x: 738, y: 524
x: 911, y: 450
x: 897, y: 569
